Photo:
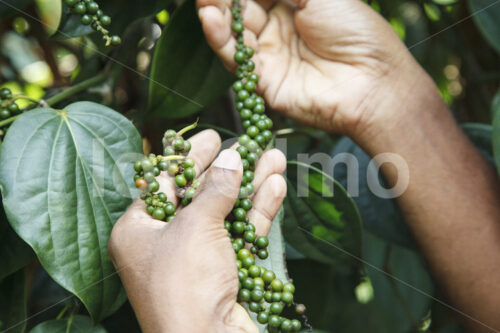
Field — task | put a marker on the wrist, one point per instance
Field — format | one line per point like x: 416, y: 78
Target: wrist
x: 407, y: 98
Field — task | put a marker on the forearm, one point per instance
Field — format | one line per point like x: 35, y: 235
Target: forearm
x: 452, y: 202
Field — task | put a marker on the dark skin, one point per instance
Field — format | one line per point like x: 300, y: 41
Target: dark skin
x: 338, y: 65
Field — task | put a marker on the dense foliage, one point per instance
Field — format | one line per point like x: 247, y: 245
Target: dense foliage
x: 66, y: 166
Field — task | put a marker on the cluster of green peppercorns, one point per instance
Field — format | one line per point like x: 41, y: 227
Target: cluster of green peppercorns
x: 93, y: 16
x: 176, y: 163
x: 259, y: 288
x: 8, y: 107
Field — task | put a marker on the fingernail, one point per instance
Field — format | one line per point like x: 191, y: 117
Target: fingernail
x: 228, y: 159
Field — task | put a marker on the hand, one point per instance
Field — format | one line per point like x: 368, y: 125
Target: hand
x: 332, y: 64
x: 181, y: 276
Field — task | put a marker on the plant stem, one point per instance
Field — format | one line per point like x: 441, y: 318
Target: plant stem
x: 63, y: 95
x: 76, y: 89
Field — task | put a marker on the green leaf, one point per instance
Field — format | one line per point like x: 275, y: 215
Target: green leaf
x: 496, y: 131
x: 66, y: 178
x: 276, y: 259
x: 14, y: 252
x: 186, y: 75
x: 486, y: 13
x: 380, y: 216
x: 402, y: 285
x: 322, y: 221
x: 76, y: 324
x: 481, y: 137
x: 13, y: 303
x: 70, y: 25
x: 12, y: 7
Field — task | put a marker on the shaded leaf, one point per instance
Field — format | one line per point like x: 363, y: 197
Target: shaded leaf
x: 76, y: 324
x: 186, y: 75
x: 402, y: 285
x: 322, y: 221
x: 380, y: 216
x: 14, y: 252
x: 65, y: 178
x: 70, y: 25
x: 13, y: 303
x: 12, y: 7
x: 485, y: 14
x: 481, y: 137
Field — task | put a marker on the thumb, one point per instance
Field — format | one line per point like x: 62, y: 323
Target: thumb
x: 220, y: 187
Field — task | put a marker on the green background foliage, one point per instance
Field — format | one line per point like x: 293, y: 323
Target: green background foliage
x: 354, y: 261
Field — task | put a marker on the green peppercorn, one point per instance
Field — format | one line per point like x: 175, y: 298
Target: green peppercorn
x: 4, y: 114
x: 5, y: 93
x: 187, y: 146
x: 180, y: 180
x: 252, y: 157
x: 268, y: 276
x: 190, y: 192
x: 159, y: 214
x: 277, y: 285
x: 170, y: 218
x: 13, y: 108
x: 153, y: 186
x: 274, y: 321
x: 244, y: 140
x: 240, y: 57
x: 244, y: 295
x: 173, y: 169
x: 239, y: 241
x: 246, y: 114
x: 262, y: 318
x: 247, y: 282
x: 243, y: 191
x: 242, y: 274
x: 149, y: 176
x: 147, y: 165
x: 239, y: 214
x: 80, y: 8
x: 252, y: 145
x: 236, y: 247
x: 289, y: 287
x: 242, y: 150
x: 188, y: 163
x: 246, y: 123
x: 150, y: 210
x: 296, y: 325
x: 276, y: 297
x: 249, y: 102
x: 238, y: 227
x: 287, y: 297
x: 138, y: 166
x: 254, y: 250
x: 260, y: 140
x: 254, y: 271
x: 262, y: 242
x: 169, y: 151
x: 178, y: 144
x: 267, y: 134
x: 254, y: 307
x: 246, y: 204
x: 249, y: 175
x: 250, y: 65
x: 162, y: 197
x: 259, y: 109
x: 237, y: 27
x: 286, y: 325
x: 262, y: 254
x: 249, y: 236
x: 252, y: 131
x: 163, y: 165
x: 237, y: 86
x: 268, y: 296
x: 189, y: 173
x: 92, y: 7
x: 116, y: 40
x: 105, y: 20
x: 254, y: 78
x: 248, y: 261
x: 250, y: 86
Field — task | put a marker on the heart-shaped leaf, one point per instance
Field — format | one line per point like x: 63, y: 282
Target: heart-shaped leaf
x: 186, y: 75
x: 76, y: 324
x: 321, y: 219
x: 66, y: 179
x: 486, y: 13
x: 13, y: 303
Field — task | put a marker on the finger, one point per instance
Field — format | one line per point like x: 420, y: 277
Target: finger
x: 254, y: 17
x: 205, y: 147
x: 220, y: 187
x: 266, y: 203
x: 217, y: 28
x: 271, y: 162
